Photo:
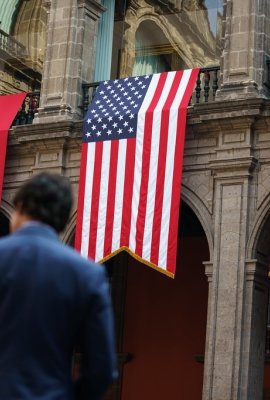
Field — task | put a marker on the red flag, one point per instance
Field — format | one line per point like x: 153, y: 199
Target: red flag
x: 131, y: 168
x: 9, y: 106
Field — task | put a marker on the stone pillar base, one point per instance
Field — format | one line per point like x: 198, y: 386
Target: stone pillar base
x: 52, y: 113
x: 238, y: 90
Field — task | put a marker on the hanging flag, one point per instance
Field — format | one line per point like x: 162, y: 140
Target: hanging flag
x: 9, y: 106
x: 131, y: 168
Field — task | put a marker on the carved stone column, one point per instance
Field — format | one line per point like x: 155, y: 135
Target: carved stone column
x: 69, y: 57
x: 229, y: 306
x: 243, y: 66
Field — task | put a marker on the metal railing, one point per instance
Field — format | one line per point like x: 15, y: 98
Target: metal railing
x: 205, y: 90
x: 28, y: 109
x: 11, y: 45
x: 207, y: 85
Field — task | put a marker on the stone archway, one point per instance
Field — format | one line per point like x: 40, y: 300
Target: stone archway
x: 192, y: 41
x: 259, y: 250
x: 29, y: 28
x: 163, y: 320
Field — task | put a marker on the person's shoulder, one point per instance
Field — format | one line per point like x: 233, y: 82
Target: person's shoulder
x: 82, y: 264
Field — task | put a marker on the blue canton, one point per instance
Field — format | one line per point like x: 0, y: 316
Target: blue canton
x: 114, y: 110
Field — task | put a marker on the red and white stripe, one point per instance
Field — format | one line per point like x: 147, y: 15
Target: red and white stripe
x: 130, y: 189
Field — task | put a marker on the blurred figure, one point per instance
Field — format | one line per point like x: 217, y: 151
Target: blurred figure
x: 51, y: 300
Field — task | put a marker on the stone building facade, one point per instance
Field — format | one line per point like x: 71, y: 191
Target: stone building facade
x: 226, y: 176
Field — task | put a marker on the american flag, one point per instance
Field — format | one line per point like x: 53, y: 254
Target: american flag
x: 131, y: 167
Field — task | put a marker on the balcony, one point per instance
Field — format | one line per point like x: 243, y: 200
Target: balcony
x: 10, y: 47
x: 205, y: 91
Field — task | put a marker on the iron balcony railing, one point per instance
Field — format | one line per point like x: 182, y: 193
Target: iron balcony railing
x: 205, y: 90
x: 206, y: 87
x: 28, y: 109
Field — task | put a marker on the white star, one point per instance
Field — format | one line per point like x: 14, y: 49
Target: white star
x: 99, y: 120
x: 109, y: 132
x: 131, y: 116
x: 135, y: 106
x: 146, y: 77
x: 93, y: 127
x: 110, y: 118
x: 101, y: 92
x: 105, y: 82
x: 120, y: 117
x: 104, y: 126
x: 115, y: 124
x: 88, y: 134
x: 125, y: 123
x: 136, y: 78
x: 126, y: 79
x: 93, y: 111
x: 143, y: 86
x: 129, y: 84
x: 130, y: 130
x: 98, y: 133
x: 89, y: 120
x: 120, y: 131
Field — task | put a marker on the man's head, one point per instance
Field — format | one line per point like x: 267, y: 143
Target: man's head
x: 45, y: 198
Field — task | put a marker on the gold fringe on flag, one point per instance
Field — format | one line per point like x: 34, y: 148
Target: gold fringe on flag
x: 138, y: 258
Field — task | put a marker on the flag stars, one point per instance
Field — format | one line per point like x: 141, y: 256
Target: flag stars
x: 98, y: 133
x: 130, y: 130
x: 104, y: 126
x: 89, y: 121
x: 120, y: 131
x: 93, y: 127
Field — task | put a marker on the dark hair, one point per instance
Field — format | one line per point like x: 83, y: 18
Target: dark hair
x: 47, y: 198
